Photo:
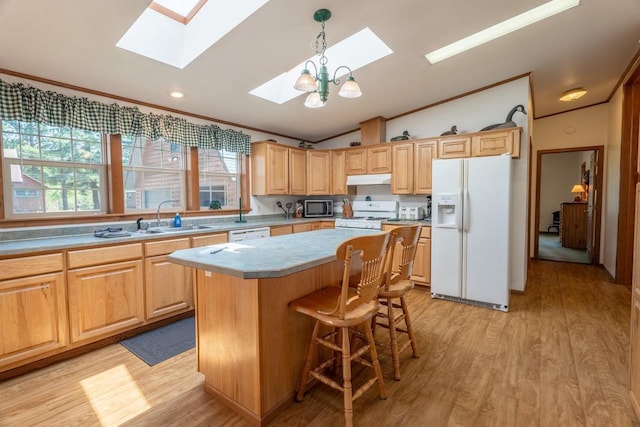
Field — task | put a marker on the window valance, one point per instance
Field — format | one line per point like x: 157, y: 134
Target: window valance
x: 29, y: 104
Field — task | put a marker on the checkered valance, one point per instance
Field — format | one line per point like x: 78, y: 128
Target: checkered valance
x: 29, y: 104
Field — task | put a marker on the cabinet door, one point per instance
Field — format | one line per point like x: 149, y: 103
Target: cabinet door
x: 421, y: 274
x: 424, y: 153
x: 277, y: 167
x: 338, y: 173
x: 402, y: 175
x: 318, y: 172
x: 494, y: 143
x: 168, y: 287
x: 356, y: 161
x: 634, y: 345
x: 379, y: 159
x: 34, y: 317
x: 453, y: 148
x: 297, y: 172
x: 105, y: 299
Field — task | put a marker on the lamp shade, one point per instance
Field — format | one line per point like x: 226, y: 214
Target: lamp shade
x: 577, y: 189
x: 306, y: 82
x: 350, y: 89
x: 313, y: 101
x: 573, y: 94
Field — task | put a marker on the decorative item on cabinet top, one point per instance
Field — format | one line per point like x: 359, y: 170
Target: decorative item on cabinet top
x: 405, y: 135
x: 453, y: 131
x: 509, y: 123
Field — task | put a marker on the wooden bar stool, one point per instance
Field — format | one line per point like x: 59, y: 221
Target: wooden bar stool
x: 342, y: 308
x: 396, y: 285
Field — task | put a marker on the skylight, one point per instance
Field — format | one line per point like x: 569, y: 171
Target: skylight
x: 177, y: 42
x: 356, y: 51
x: 505, y: 27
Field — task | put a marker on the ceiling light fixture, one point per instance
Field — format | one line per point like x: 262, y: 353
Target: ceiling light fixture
x: 318, y: 84
x: 573, y: 94
x: 176, y: 94
x: 505, y: 27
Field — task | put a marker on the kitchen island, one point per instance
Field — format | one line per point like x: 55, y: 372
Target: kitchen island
x: 250, y: 346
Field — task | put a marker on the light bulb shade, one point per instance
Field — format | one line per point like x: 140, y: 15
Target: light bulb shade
x: 573, y: 94
x: 577, y: 189
x: 350, y: 89
x: 313, y: 101
x: 306, y: 82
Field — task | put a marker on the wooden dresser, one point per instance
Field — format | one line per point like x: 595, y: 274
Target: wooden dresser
x: 573, y: 225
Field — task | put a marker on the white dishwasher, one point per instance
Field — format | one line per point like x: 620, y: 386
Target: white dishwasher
x: 249, y: 234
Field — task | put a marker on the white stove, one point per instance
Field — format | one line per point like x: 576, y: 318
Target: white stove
x: 369, y: 214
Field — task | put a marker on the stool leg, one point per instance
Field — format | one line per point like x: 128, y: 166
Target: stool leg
x: 346, y: 378
x: 311, y: 349
x: 375, y: 362
x: 395, y: 356
x: 407, y: 321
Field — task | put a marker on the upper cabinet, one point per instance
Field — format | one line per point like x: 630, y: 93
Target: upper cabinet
x: 367, y: 160
x: 454, y: 147
x: 412, y: 166
x: 319, y: 172
x: 496, y: 142
x: 277, y: 169
x: 338, y: 173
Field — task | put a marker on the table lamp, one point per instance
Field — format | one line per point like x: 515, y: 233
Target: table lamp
x: 578, y: 190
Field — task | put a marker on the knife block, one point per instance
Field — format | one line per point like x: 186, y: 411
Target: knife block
x: 347, y: 211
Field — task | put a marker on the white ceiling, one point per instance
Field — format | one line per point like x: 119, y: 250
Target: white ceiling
x: 74, y: 42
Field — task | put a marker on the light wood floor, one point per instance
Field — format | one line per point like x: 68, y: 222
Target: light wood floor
x: 558, y: 358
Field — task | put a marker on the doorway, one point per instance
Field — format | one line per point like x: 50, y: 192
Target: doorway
x: 568, y: 205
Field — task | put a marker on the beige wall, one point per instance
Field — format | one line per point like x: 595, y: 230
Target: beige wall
x: 612, y: 184
x: 580, y: 128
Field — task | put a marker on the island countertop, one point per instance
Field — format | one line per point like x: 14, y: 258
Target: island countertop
x: 269, y: 257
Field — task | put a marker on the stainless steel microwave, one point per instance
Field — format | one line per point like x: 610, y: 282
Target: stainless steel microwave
x: 318, y: 208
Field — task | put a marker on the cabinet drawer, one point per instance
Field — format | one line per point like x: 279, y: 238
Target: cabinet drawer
x: 86, y: 257
x: 164, y: 247
x: 30, y: 266
x: 212, y: 239
x: 279, y: 230
x: 425, y: 232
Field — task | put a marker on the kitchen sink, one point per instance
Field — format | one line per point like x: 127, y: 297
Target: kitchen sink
x: 163, y: 230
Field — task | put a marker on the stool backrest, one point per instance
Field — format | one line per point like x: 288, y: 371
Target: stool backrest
x: 407, y: 238
x: 366, y: 256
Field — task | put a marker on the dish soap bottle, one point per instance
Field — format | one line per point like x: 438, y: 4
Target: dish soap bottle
x: 177, y: 221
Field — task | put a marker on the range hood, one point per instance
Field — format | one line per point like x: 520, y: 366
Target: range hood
x: 371, y: 179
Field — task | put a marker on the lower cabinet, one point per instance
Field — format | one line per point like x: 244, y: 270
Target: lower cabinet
x: 279, y: 230
x: 34, y: 316
x: 168, y: 286
x: 307, y: 226
x: 108, y: 297
x: 422, y: 262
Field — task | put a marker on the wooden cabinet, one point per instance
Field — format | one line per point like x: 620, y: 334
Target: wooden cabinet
x: 421, y: 274
x: 573, y: 225
x: 269, y: 169
x: 33, y: 308
x: 373, y: 131
x: 297, y: 171
x: 412, y: 167
x: 300, y: 228
x: 424, y: 153
x: 319, y: 172
x: 455, y: 147
x: 375, y: 159
x: 402, y: 176
x: 493, y: 143
x: 634, y: 338
x: 279, y: 230
x: 168, y: 286
x: 106, y: 296
x: 210, y: 239
x: 338, y: 173
x: 327, y: 225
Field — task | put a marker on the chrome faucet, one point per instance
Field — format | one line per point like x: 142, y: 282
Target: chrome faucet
x: 162, y: 203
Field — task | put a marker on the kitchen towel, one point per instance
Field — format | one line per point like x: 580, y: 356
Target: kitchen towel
x: 163, y: 343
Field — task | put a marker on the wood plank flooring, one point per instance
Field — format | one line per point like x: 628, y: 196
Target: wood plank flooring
x: 558, y: 358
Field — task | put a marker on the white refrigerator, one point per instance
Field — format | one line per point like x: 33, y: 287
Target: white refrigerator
x: 470, y: 230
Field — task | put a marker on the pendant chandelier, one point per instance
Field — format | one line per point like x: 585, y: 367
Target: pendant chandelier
x: 318, y: 84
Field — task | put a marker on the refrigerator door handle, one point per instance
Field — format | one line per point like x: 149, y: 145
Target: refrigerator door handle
x: 459, y: 208
x: 466, y: 215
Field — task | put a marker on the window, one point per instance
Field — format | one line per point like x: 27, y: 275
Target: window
x: 219, y: 178
x: 153, y: 173
x: 50, y: 170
